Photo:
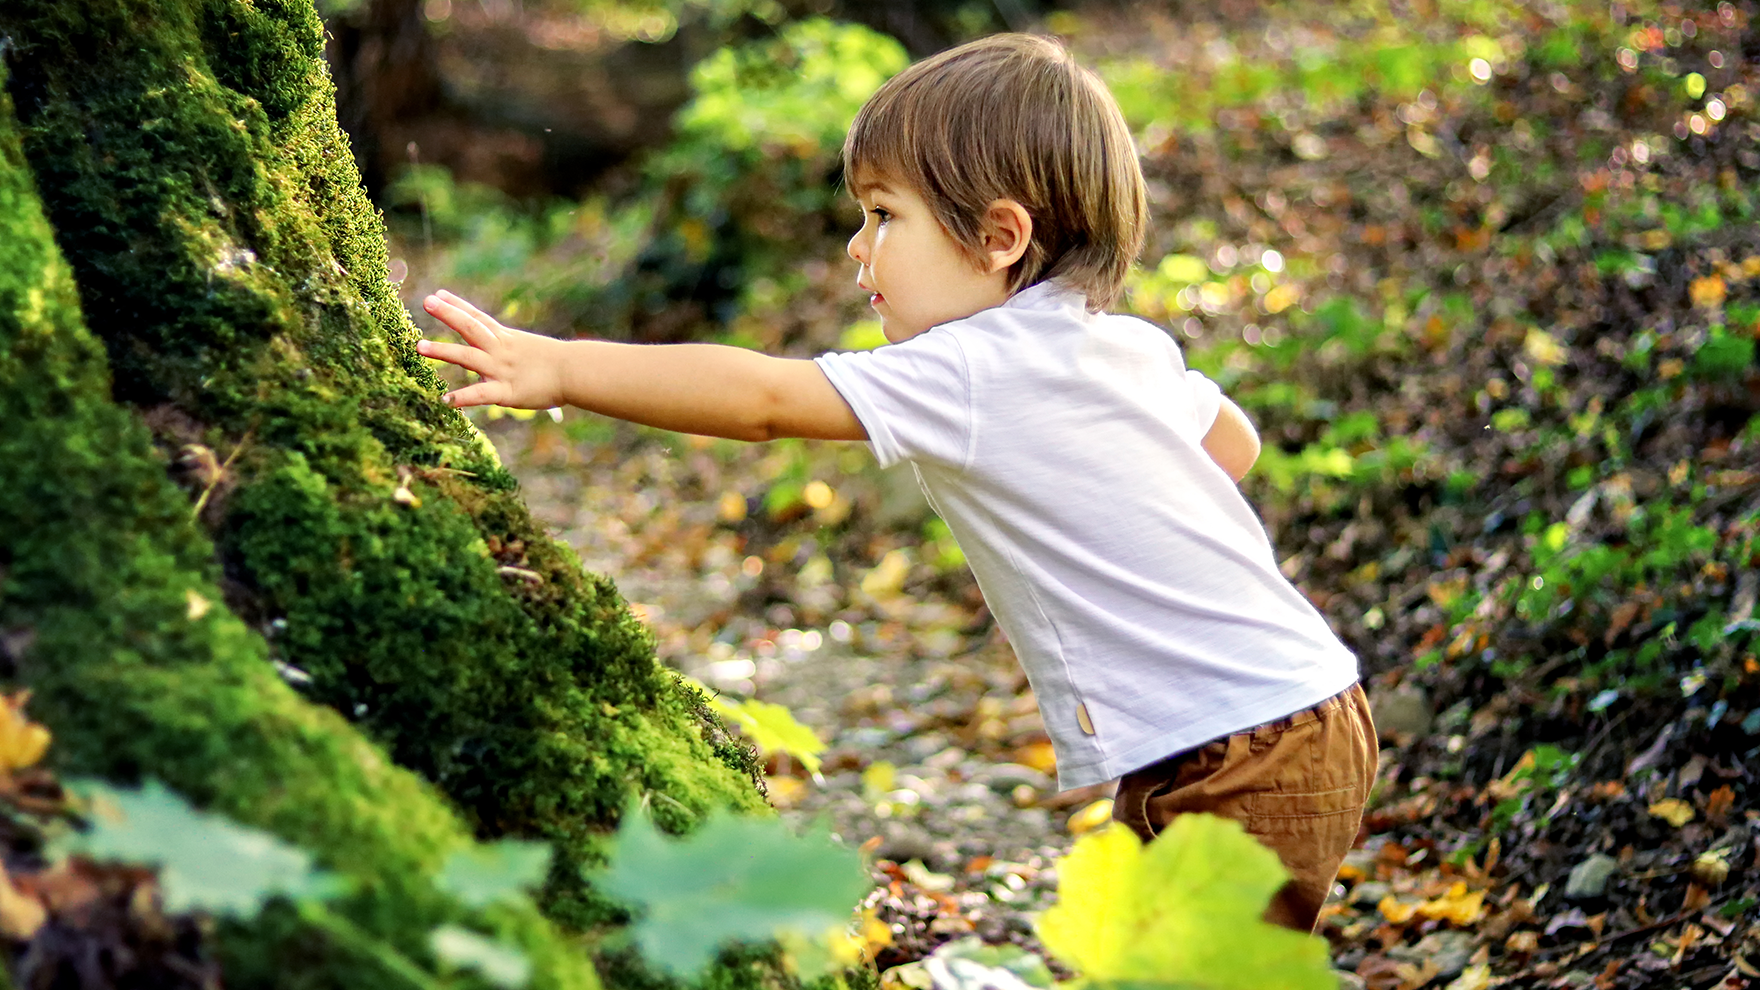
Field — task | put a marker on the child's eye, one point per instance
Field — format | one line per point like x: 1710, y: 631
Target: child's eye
x: 881, y: 214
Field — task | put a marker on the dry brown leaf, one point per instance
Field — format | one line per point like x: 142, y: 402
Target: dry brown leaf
x: 1412, y: 977
x: 1695, y: 898
x: 1718, y: 802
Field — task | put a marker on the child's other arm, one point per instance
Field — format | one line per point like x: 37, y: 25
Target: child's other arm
x: 1232, y: 442
x: 691, y: 388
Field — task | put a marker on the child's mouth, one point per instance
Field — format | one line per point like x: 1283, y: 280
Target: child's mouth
x: 876, y: 299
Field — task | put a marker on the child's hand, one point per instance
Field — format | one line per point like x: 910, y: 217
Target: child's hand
x: 519, y: 369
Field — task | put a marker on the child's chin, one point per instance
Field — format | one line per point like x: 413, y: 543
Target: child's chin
x: 897, y: 333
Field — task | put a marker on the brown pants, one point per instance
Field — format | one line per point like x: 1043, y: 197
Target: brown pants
x: 1298, y: 785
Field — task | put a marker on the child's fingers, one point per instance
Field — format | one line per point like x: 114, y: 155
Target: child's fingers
x: 465, y: 356
x: 465, y: 304
x: 467, y: 325
x: 480, y: 394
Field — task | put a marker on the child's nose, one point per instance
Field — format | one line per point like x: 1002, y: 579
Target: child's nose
x: 857, y: 249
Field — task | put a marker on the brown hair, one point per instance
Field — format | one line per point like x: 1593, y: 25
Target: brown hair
x: 1012, y: 116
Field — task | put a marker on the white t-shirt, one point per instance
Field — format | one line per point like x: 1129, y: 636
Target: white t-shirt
x: 1063, y: 449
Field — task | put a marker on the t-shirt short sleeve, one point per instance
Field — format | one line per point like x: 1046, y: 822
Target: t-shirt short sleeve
x: 1206, y: 400
x: 913, y: 398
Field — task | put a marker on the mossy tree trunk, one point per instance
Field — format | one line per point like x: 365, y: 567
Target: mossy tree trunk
x: 359, y: 537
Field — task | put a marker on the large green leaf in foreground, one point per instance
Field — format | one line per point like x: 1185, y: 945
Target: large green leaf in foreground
x: 1183, y: 911
x: 734, y: 879
x: 206, y: 862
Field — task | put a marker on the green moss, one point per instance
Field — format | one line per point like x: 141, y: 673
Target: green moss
x: 106, y: 596
x: 229, y: 261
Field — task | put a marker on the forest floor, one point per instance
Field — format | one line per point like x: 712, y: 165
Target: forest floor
x: 939, y: 767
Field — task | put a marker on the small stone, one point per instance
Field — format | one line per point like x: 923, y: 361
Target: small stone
x: 1348, y: 980
x: 1370, y: 892
x: 1359, y: 864
x: 905, y: 845
x: 1003, y: 778
x: 1450, y: 949
x: 1589, y: 878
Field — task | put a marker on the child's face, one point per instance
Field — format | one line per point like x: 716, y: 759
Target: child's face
x: 916, y: 271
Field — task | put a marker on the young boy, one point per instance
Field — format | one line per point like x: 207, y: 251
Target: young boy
x: 1088, y: 476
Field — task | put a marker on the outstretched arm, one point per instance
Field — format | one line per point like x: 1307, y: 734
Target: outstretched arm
x: 1232, y: 442
x: 692, y: 388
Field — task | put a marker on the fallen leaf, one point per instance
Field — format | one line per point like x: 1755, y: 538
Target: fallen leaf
x: 1412, y: 977
x: 1397, y: 911
x: 1472, y: 978
x: 1695, y: 898
x: 1041, y: 757
x: 785, y: 792
x: 1673, y: 811
x: 22, y: 742
x: 20, y: 914
x: 1718, y: 803
x: 1459, y: 906
x: 1091, y: 817
x: 1708, y: 292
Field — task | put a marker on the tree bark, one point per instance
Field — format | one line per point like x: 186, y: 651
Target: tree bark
x: 355, y: 535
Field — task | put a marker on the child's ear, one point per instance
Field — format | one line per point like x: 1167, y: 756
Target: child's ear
x: 1008, y: 232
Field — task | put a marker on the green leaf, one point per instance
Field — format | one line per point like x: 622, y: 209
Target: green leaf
x: 500, y: 964
x: 771, y: 728
x: 1184, y: 911
x: 734, y: 879
x: 205, y: 862
x: 481, y: 875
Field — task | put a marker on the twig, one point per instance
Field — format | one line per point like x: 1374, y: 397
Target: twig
x: 202, y: 500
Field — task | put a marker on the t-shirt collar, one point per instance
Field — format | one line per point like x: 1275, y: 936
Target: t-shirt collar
x: 1047, y: 295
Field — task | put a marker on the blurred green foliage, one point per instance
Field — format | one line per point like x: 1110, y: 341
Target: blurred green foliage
x: 719, y: 221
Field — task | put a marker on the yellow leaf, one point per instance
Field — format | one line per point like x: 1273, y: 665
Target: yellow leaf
x: 1186, y: 910
x: 731, y: 508
x: 1544, y: 347
x: 1282, y: 297
x: 21, y: 915
x: 1673, y: 811
x: 1091, y: 817
x: 22, y: 742
x: 1708, y: 292
x: 1092, y: 923
x: 1459, y: 906
x: 785, y: 792
x: 1472, y: 978
x: 817, y: 494
x: 772, y: 728
x: 1396, y: 911
x: 886, y: 580
x: 878, y: 779
x: 1038, y: 755
x: 197, y: 606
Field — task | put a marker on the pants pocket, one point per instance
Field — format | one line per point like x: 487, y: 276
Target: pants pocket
x: 1272, y: 811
